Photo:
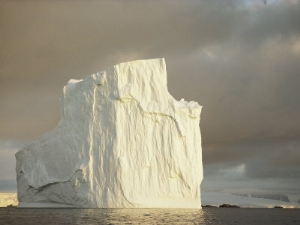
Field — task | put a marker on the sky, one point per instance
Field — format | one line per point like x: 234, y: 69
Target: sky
x: 240, y: 59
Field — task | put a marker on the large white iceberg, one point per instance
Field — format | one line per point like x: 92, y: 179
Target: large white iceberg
x: 122, y: 142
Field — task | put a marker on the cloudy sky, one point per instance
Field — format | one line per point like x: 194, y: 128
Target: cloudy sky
x: 240, y: 59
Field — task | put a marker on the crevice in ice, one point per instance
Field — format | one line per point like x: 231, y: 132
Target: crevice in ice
x: 165, y: 115
x: 123, y: 194
x: 56, y: 196
x: 41, y: 188
x: 43, y: 192
x: 91, y: 132
x: 48, y: 185
x: 184, y: 181
x: 128, y: 98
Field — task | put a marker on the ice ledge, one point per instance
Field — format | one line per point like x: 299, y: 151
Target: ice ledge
x: 43, y: 205
x: 150, y: 203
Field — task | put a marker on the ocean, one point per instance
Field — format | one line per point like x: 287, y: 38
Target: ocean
x: 150, y: 216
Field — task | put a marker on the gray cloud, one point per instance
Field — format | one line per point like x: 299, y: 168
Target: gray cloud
x: 7, y: 160
x: 240, y: 59
x: 278, y: 160
x: 266, y: 165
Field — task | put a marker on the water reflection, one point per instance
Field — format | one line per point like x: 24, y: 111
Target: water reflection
x: 150, y: 216
x: 143, y: 216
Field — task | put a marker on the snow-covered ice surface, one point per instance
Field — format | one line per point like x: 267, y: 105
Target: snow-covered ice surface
x: 122, y: 142
x: 218, y: 198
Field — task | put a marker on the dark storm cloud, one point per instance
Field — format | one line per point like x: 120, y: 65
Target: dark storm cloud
x: 240, y: 59
x: 46, y: 43
x: 7, y: 152
x: 261, y: 159
x: 279, y: 160
x: 275, y: 20
x: 265, y: 166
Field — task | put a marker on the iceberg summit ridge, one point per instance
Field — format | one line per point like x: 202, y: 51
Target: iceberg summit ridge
x: 122, y: 142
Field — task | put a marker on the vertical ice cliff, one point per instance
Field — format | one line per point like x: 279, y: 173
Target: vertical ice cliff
x: 122, y: 142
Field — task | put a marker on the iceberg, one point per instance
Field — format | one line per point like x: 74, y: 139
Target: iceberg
x: 122, y: 142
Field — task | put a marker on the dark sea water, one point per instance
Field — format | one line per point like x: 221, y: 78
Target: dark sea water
x: 150, y: 216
